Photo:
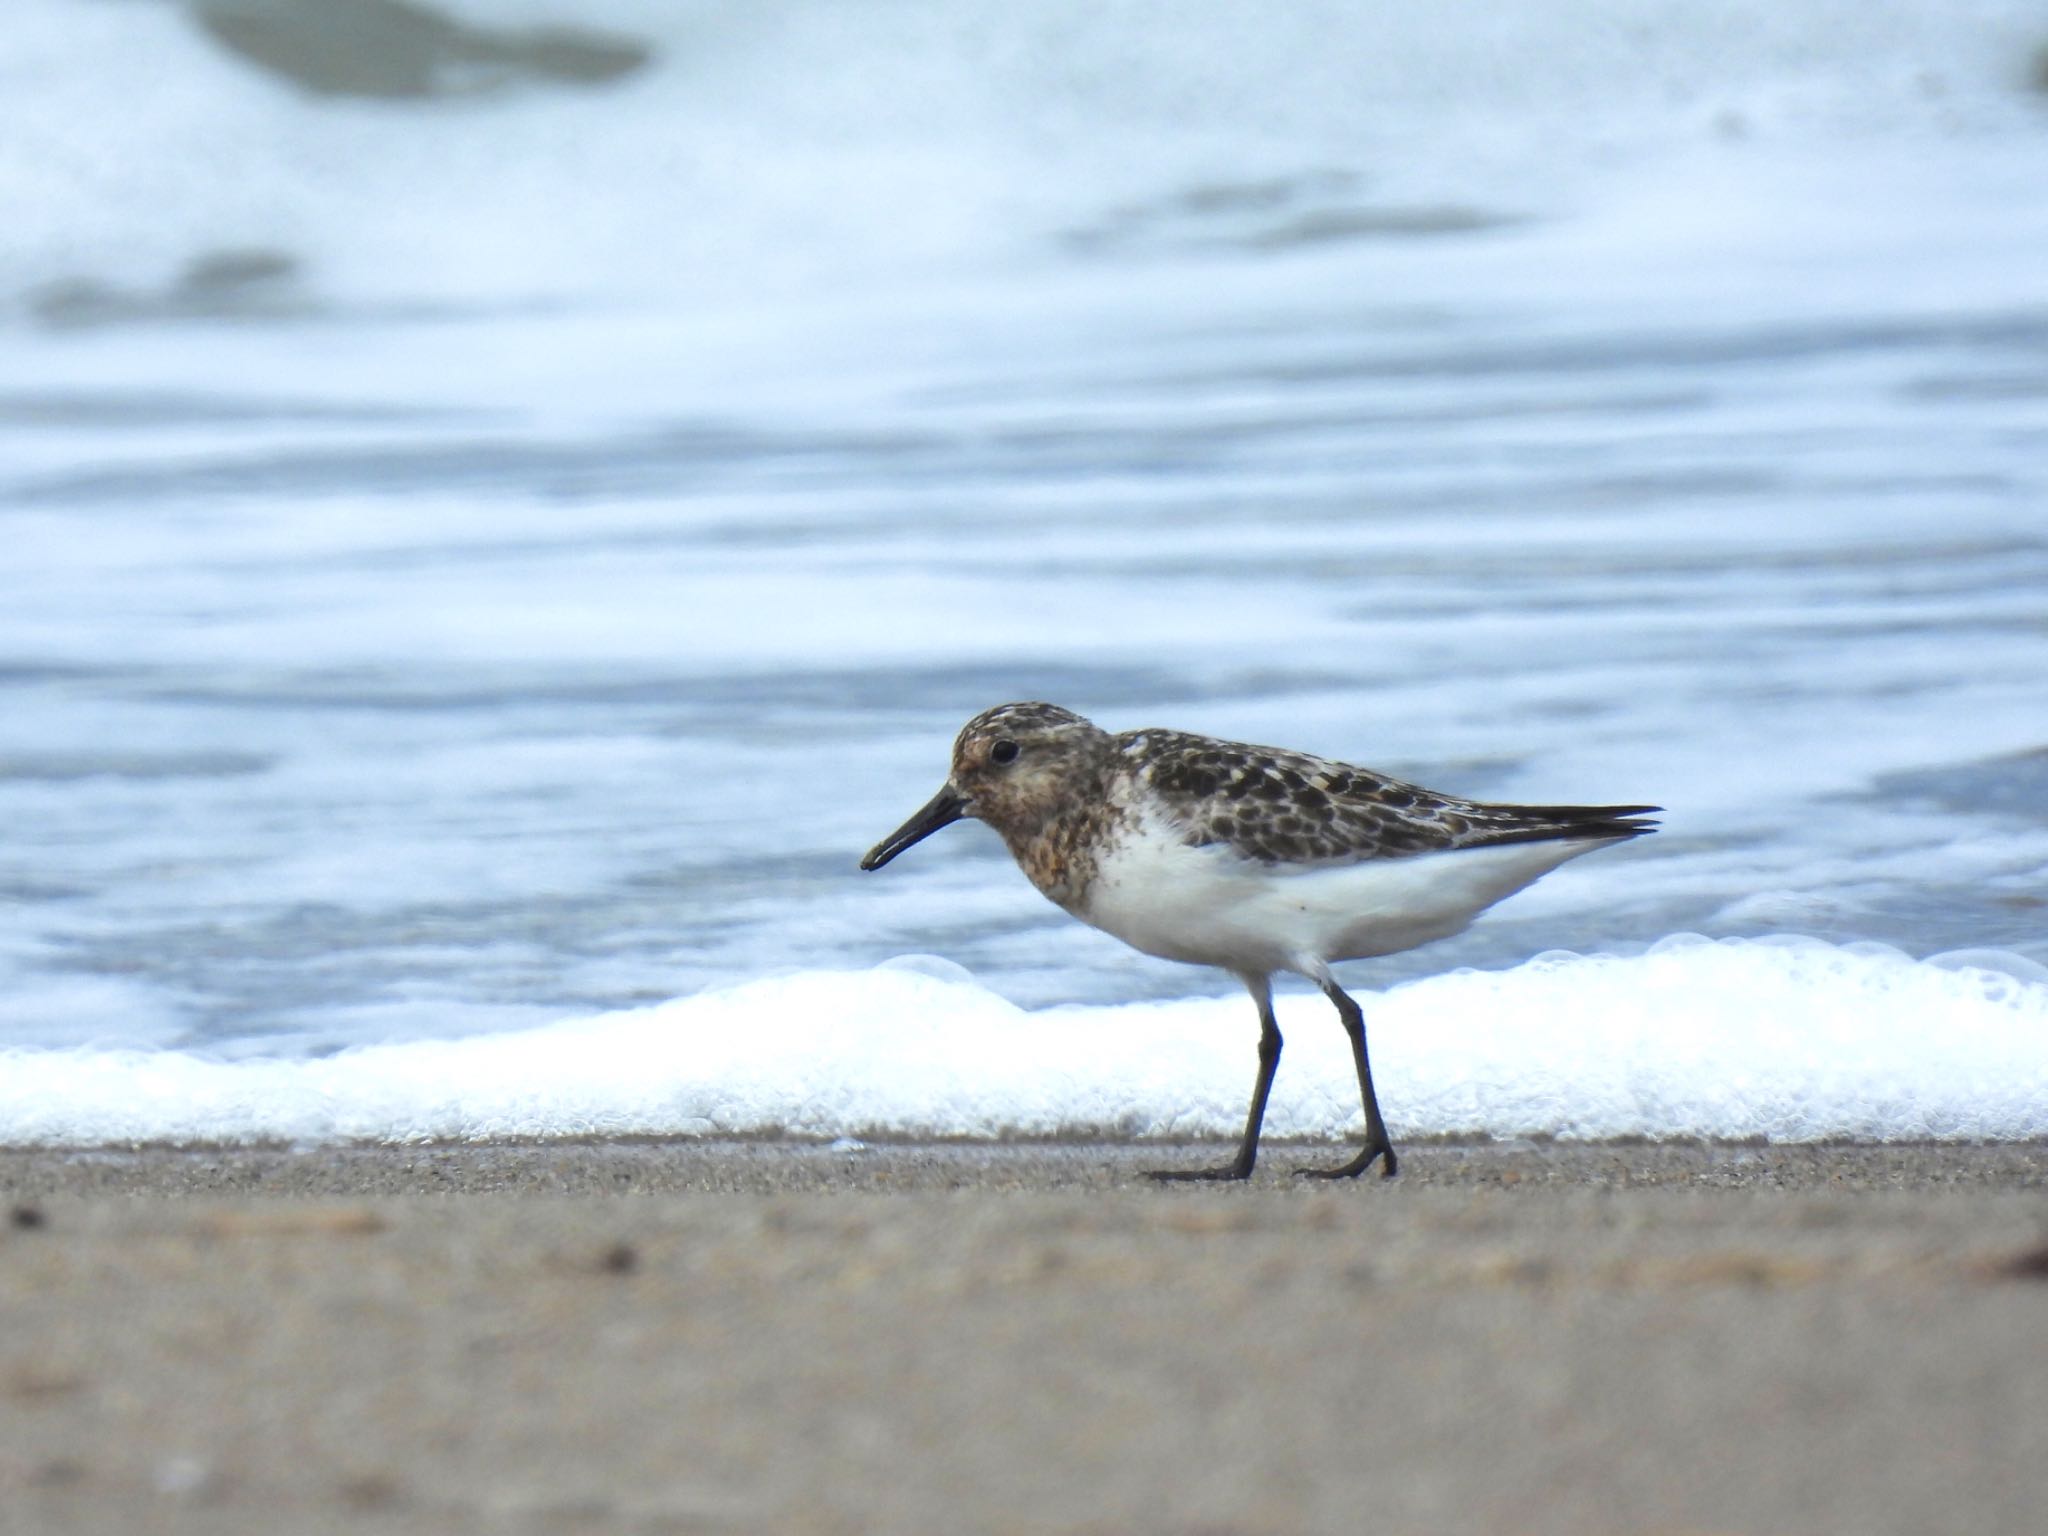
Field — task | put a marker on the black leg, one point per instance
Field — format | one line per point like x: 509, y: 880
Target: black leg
x: 1240, y: 1167
x: 1377, y: 1143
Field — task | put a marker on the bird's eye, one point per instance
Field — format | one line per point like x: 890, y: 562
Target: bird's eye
x: 1003, y: 753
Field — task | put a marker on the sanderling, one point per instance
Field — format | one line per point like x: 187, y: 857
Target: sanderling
x: 1254, y: 859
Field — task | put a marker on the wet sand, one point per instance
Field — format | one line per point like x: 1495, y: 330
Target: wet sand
x: 772, y: 1337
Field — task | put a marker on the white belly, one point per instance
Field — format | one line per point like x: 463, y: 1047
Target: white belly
x: 1210, y: 907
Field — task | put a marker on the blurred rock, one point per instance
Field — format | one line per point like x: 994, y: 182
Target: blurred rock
x: 397, y: 50
x: 234, y: 284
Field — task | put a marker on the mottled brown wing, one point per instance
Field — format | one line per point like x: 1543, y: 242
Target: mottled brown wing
x: 1281, y: 807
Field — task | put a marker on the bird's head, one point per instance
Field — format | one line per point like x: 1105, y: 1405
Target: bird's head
x: 1015, y: 767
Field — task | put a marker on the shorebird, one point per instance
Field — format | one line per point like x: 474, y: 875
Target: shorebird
x: 1254, y: 859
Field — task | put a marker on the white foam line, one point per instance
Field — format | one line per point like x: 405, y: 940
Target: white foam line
x: 1787, y: 1040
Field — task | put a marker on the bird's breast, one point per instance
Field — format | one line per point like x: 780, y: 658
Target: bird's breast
x: 1167, y: 897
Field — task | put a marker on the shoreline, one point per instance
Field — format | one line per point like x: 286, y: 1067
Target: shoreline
x: 1562, y: 1338
x: 763, y: 1166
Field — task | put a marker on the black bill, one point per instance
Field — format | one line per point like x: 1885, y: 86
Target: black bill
x: 944, y: 808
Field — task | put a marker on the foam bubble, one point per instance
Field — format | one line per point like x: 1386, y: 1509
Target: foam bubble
x: 1792, y: 1040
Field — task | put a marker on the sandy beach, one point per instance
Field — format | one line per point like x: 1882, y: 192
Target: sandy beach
x: 774, y: 1337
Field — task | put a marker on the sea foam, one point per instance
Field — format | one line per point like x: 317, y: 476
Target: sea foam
x: 1789, y: 1040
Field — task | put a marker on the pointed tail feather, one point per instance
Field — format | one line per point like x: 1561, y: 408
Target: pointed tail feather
x: 1557, y: 823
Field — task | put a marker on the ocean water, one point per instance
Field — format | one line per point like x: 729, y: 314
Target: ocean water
x: 504, y: 502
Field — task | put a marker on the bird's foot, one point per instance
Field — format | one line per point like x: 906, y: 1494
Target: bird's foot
x: 1356, y: 1166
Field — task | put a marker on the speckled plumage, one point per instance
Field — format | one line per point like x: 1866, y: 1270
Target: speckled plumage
x: 1288, y: 808
x: 1255, y: 859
